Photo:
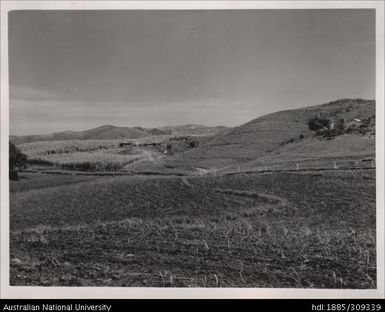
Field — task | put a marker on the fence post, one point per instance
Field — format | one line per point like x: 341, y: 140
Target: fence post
x: 239, y: 170
x: 335, y: 165
x: 297, y: 167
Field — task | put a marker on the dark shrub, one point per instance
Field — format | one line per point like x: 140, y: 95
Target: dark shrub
x: 337, y: 128
x: 340, y: 125
x: 318, y: 123
x: 40, y: 162
x: 17, y: 161
x: 13, y: 175
x: 193, y: 144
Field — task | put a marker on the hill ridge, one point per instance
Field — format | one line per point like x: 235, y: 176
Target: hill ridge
x: 109, y: 131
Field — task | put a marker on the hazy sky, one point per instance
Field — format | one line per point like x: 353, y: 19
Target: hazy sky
x: 74, y: 70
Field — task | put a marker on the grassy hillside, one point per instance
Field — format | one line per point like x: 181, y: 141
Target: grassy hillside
x: 267, y: 134
x: 109, y: 132
x: 315, y: 148
x: 193, y: 130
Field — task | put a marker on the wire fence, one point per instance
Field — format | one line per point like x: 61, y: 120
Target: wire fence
x: 304, y: 165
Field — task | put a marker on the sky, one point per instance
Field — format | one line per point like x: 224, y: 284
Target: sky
x: 75, y: 70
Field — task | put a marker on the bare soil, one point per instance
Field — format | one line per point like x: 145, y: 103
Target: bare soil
x: 297, y: 230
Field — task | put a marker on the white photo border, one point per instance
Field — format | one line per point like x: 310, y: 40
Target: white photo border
x: 32, y: 292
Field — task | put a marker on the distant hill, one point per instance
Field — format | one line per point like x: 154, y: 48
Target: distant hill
x: 268, y: 137
x: 193, y: 130
x: 107, y: 132
x: 110, y: 132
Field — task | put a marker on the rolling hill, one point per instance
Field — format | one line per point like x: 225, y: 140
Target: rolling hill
x: 282, y: 133
x: 106, y: 132
x: 110, y: 132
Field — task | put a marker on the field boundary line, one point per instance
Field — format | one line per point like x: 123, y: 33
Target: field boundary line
x: 302, y: 170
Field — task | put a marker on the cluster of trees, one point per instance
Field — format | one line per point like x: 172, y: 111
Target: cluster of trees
x: 189, y: 143
x: 366, y: 126
x: 17, y: 161
x: 327, y: 127
x: 153, y: 131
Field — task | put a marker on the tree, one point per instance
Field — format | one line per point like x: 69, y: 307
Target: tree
x: 193, y: 144
x: 17, y: 161
x: 338, y: 128
x: 340, y: 125
x: 318, y: 123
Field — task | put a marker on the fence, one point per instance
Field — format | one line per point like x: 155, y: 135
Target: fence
x: 304, y: 165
